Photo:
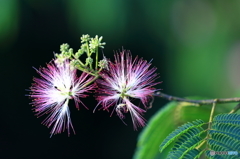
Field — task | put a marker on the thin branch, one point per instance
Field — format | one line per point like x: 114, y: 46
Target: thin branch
x: 200, y: 102
x: 235, y: 109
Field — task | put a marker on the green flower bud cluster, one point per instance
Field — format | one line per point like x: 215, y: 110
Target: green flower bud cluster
x: 89, y: 60
x: 88, y: 46
x: 95, y: 43
x: 66, y: 53
x: 103, y: 64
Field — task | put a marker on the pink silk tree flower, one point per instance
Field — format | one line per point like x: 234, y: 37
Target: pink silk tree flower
x: 51, y: 94
x: 123, y: 81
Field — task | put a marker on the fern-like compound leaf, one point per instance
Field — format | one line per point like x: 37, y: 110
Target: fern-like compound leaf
x: 226, y: 139
x: 186, y: 128
x: 223, y: 136
x: 186, y: 149
x: 228, y: 129
x: 227, y: 118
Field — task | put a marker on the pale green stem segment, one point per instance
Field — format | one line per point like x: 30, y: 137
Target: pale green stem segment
x: 96, y: 59
x: 200, y: 145
x: 209, y: 124
x: 96, y: 77
x: 211, y: 115
x: 235, y: 109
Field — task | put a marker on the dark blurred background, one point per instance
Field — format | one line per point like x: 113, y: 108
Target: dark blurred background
x: 194, y: 44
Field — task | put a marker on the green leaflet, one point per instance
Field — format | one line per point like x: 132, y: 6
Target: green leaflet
x: 223, y: 135
x: 188, y: 127
x: 165, y: 121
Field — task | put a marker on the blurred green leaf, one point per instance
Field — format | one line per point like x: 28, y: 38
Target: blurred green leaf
x: 8, y: 21
x: 166, y: 120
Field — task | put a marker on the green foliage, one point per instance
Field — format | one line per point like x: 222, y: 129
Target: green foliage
x: 154, y: 133
x: 222, y: 135
x: 188, y: 127
x: 165, y: 121
x: 189, y: 138
x: 186, y: 149
x: 228, y: 118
